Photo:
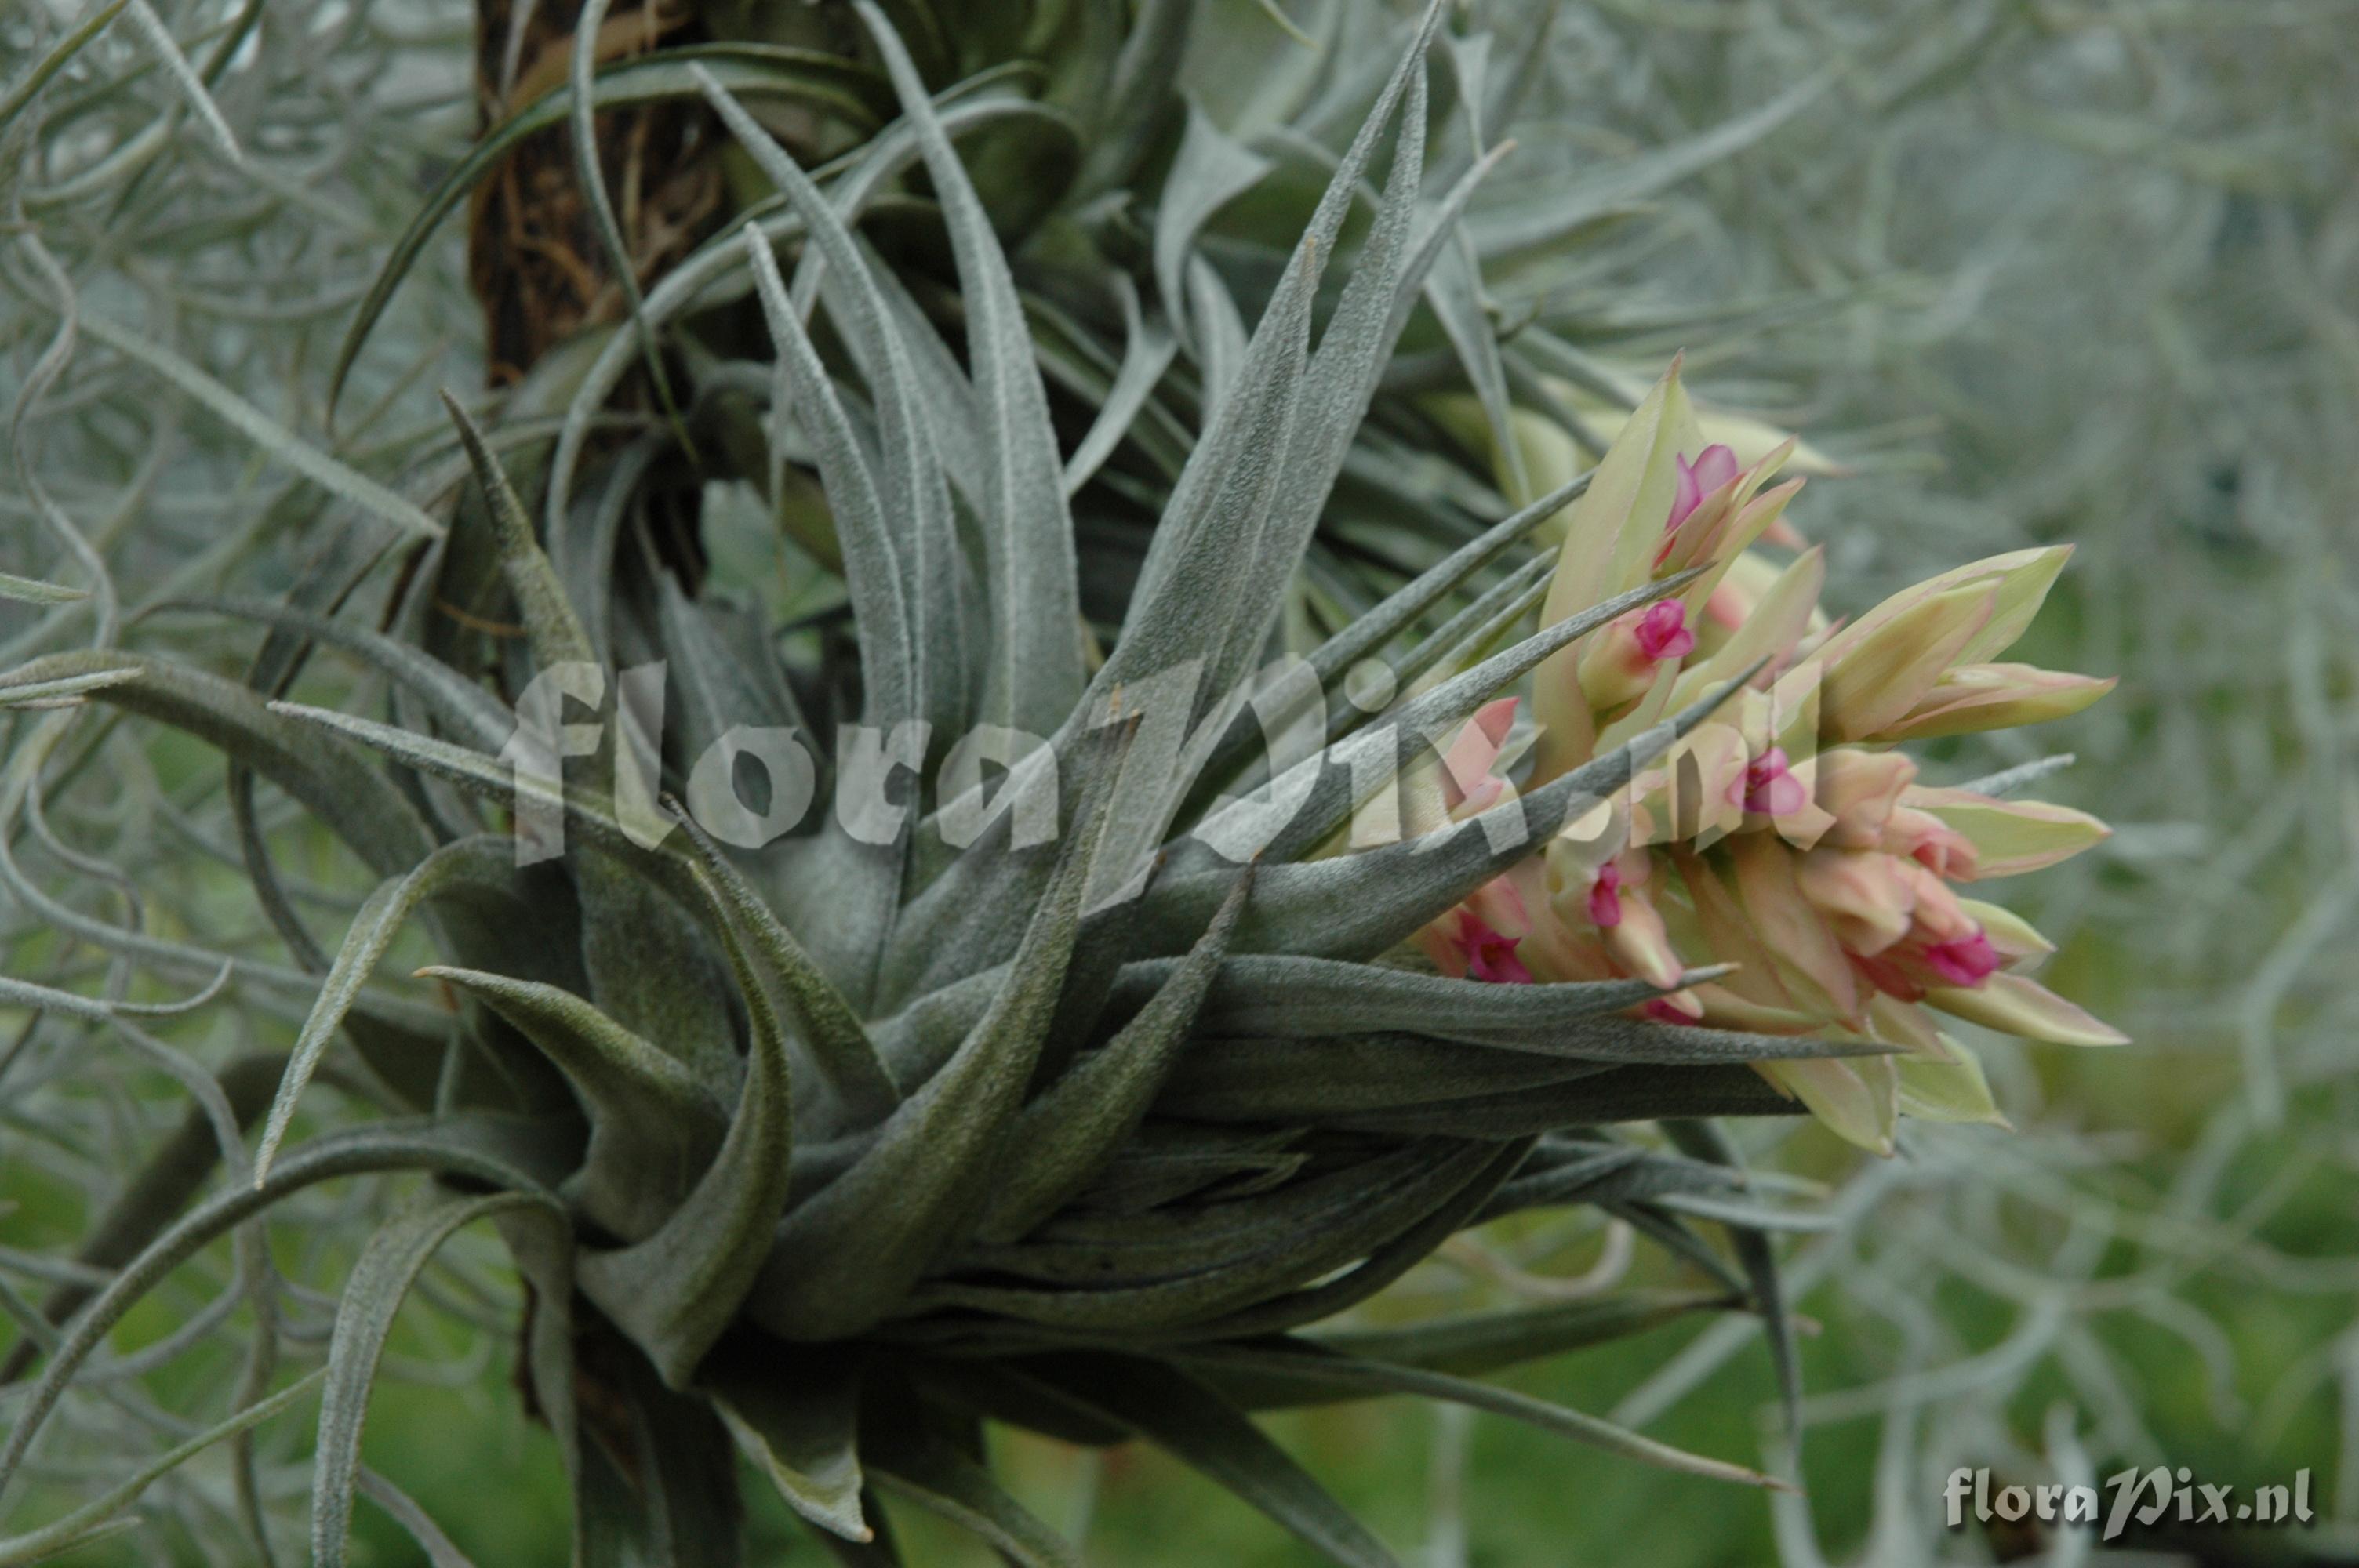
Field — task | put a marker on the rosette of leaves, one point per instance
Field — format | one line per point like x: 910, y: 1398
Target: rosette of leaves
x: 833, y: 1150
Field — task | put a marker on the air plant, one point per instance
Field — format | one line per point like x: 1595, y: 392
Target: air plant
x: 1064, y: 1102
x: 1075, y: 1100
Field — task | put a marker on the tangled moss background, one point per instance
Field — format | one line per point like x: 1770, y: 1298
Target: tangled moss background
x: 2033, y: 271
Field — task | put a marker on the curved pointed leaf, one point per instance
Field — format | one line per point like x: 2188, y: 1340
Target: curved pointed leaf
x: 654, y: 1127
x: 379, y: 1283
x: 1064, y: 1138
x: 1183, y: 1414
x: 97, y: 1517
x: 478, y: 860
x: 677, y: 1290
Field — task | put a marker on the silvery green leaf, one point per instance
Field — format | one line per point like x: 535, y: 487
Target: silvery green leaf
x: 848, y: 1255
x: 1392, y: 1199
x: 2016, y: 779
x: 1359, y: 906
x: 1288, y: 994
x: 709, y: 274
x: 1244, y: 507
x: 1358, y: 340
x: 380, y: 1281
x: 500, y: 1153
x: 1123, y: 1252
x: 15, y: 992
x: 1454, y: 289
x: 676, y: 1292
x: 1439, y: 230
x: 1754, y: 1220
x: 1491, y: 614
x: 1209, y: 170
x: 441, y: 1551
x: 1382, y: 1266
x: 872, y: 568
x: 1652, y: 1178
x: 1538, y: 1185
x: 1306, y: 1359
x: 97, y: 1517
x: 1485, y: 1342
x: 1284, y: 1080
x: 649, y: 963
x: 355, y: 801
x: 954, y: 416
x: 1367, y: 633
x: 1470, y: 64
x: 825, y: 1022
x: 61, y: 691
x: 1221, y: 341
x: 917, y: 545
x: 484, y: 775
x: 1182, y: 1413
x: 32, y: 591
x: 57, y: 57
x: 726, y: 671
x: 1066, y: 1136
x: 1183, y: 616
x: 1148, y: 351
x: 797, y: 1424
x: 1512, y: 227
x: 914, y: 1464
x: 551, y: 628
x: 483, y: 859
x: 1033, y: 673
x: 1617, y: 1094
x: 654, y: 1125
x: 282, y: 444
x: 467, y: 709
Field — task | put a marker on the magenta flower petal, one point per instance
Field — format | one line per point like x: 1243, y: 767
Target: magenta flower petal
x: 1663, y: 632
x: 1714, y: 467
x: 1605, y: 897
x: 1769, y: 788
x: 1966, y: 961
x: 1489, y: 956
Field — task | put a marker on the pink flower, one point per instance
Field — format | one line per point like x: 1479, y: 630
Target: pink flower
x: 1714, y: 467
x: 1966, y: 961
x: 1663, y: 632
x: 1768, y: 787
x: 1489, y: 956
x: 1605, y: 896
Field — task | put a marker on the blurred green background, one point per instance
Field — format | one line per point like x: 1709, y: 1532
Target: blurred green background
x: 2035, y: 271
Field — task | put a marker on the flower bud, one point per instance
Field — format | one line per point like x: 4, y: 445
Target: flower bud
x: 1999, y: 837
x: 1859, y: 789
x: 1972, y: 697
x: 1872, y: 677
x: 1621, y: 663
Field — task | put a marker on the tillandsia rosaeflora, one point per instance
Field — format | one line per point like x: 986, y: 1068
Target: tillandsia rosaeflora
x: 1786, y: 837
x: 1065, y: 1101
